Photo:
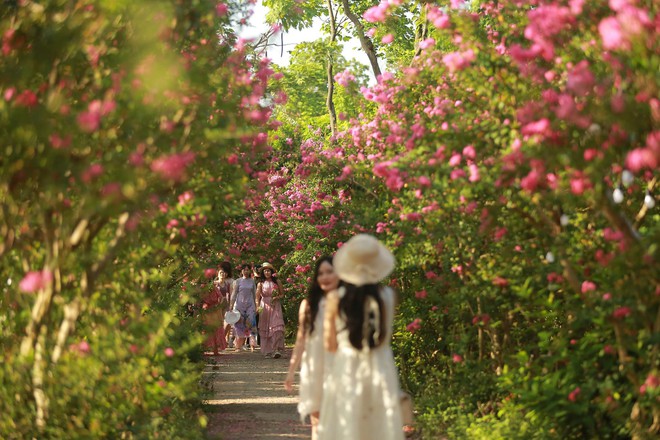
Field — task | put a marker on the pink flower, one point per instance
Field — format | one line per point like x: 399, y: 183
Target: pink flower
x: 652, y: 382
x: 573, y: 395
x: 531, y: 181
x: 414, y: 326
x: 455, y: 160
x: 612, y: 34
x: 173, y: 167
x: 430, y: 275
x: 376, y: 14
x: 221, y: 9
x: 210, y: 273
x: 499, y: 233
x: 588, y: 286
x: 576, y: 6
x: 607, y: 296
x: 58, y: 142
x: 91, y: 173
x: 425, y: 44
x: 89, y: 121
x: 621, y: 313
x: 469, y: 152
x: 500, y: 282
x: 424, y: 181
x: 439, y: 19
x: 641, y: 158
x: 185, y: 198
x: 579, y: 183
x: 457, y: 358
x: 345, y: 78
x: 35, y: 280
x: 474, y: 173
x: 83, y: 347
x: 538, y: 127
x: 458, y: 60
x: 27, y: 98
x: 169, y: 352
x: 387, y: 39
x: 421, y: 294
x: 580, y: 79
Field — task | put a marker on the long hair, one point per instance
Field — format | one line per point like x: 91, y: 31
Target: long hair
x: 352, y: 307
x: 315, y: 294
x: 226, y: 267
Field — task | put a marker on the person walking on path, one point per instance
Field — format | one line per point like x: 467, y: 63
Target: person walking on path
x: 361, y: 396
x: 308, y: 350
x: 226, y: 289
x: 213, y: 310
x: 271, y: 319
x: 243, y: 301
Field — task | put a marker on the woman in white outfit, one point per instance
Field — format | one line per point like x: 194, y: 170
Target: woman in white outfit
x: 361, y: 395
x: 308, y: 350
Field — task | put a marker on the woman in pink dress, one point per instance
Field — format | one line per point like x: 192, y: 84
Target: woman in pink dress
x: 214, y: 309
x: 271, y: 319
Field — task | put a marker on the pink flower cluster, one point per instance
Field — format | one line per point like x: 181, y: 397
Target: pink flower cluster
x: 647, y: 157
x: 630, y: 23
x: 414, y: 326
x: 379, y: 13
x: 458, y: 60
x: 345, y: 78
x: 35, y: 280
x: 90, y: 120
x: 439, y: 19
x: 392, y: 176
x: 173, y: 166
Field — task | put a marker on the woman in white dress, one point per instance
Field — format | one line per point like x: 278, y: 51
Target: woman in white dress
x: 308, y: 350
x: 361, y: 395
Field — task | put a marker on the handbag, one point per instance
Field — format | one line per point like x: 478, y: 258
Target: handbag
x: 407, y: 416
x: 232, y: 317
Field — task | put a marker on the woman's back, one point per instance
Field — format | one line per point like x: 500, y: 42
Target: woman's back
x: 361, y: 396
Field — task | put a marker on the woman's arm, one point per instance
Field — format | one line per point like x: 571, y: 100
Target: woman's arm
x: 296, y: 355
x: 232, y: 295
x: 254, y: 294
x: 329, y: 327
x: 260, y: 287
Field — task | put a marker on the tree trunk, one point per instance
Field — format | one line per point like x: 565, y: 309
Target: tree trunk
x: 331, y: 80
x: 365, y: 41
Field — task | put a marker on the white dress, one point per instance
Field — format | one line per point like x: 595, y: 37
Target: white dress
x: 361, y: 394
x: 314, y: 367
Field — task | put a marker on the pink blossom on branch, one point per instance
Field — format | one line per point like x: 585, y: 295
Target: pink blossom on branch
x: 387, y: 39
x: 458, y: 60
x: 345, y: 78
x: 414, y: 326
x: 35, y: 280
x: 173, y: 166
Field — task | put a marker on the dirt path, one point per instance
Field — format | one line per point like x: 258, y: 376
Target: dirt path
x: 248, y: 400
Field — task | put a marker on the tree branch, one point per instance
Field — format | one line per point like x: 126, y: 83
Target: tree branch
x: 365, y: 42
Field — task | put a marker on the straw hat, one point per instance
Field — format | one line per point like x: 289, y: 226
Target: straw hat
x: 363, y: 260
x: 268, y: 265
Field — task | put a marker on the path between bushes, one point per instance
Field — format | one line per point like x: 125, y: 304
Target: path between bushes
x: 247, y: 398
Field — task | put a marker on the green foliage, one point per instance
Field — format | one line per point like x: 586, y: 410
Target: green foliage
x: 118, y: 121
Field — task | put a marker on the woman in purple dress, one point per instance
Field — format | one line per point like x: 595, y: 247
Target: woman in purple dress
x: 271, y: 319
x: 243, y: 301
